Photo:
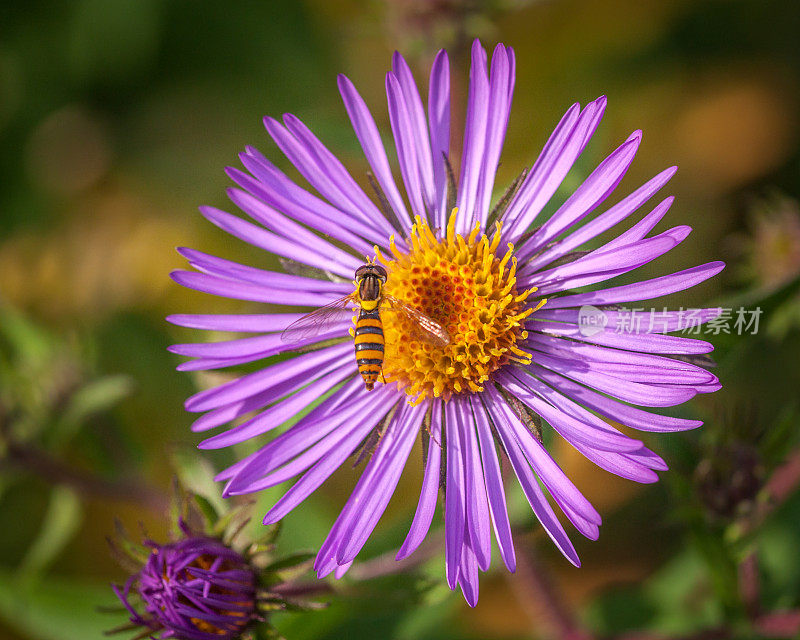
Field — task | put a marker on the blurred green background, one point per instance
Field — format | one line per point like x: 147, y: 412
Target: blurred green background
x: 117, y: 118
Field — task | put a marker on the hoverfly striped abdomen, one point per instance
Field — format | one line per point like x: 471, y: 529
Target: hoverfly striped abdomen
x: 369, y: 328
x: 369, y: 345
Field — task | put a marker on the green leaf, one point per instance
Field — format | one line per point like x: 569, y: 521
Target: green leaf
x: 768, y: 300
x: 56, y: 609
x: 61, y: 522
x: 676, y: 600
x: 93, y: 398
x: 32, y: 343
x: 782, y: 436
x: 197, y: 475
x: 265, y: 631
x: 289, y: 562
x: 208, y: 511
x: 677, y: 593
x: 7, y: 479
x: 619, y: 610
x: 269, y: 534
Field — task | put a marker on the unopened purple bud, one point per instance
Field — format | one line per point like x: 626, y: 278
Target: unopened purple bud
x: 195, y: 589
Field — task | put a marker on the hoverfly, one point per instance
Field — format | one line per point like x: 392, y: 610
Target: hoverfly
x: 369, y: 297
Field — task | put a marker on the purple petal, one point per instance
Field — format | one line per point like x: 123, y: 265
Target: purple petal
x: 430, y: 487
x: 468, y: 576
x: 401, y: 124
x: 364, y: 207
x: 474, y: 140
x: 204, y: 364
x: 477, y: 507
x: 617, y: 411
x: 284, y: 387
x: 269, y: 279
x: 264, y: 471
x: 600, y: 266
x: 650, y: 459
x: 593, y: 374
x: 322, y: 170
x: 623, y: 465
x: 644, y: 290
x: 277, y: 414
x: 243, y: 323
x: 370, y: 140
x: 551, y: 167
x: 251, y: 351
x: 419, y: 129
x: 380, y: 486
x: 571, y: 501
x: 501, y: 90
x: 502, y: 416
x: 643, y: 227
x: 637, y: 367
x: 606, y: 220
x: 636, y: 322
x: 368, y: 484
x: 344, y: 403
x: 320, y: 471
x: 218, y: 286
x: 439, y: 122
x: 288, y: 228
x: 341, y: 570
x: 266, y: 378
x: 571, y: 421
x: 272, y: 243
x: 642, y: 342
x: 298, y: 204
x: 454, y: 499
x: 596, y: 188
x: 494, y: 486
x: 255, y: 344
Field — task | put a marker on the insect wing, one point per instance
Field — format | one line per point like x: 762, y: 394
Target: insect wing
x: 299, y: 269
x: 431, y: 330
x: 318, y: 320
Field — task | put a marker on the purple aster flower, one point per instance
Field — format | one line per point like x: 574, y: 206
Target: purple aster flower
x: 519, y: 349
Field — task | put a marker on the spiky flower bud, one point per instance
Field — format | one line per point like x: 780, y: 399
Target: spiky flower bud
x: 211, y: 582
x: 193, y: 589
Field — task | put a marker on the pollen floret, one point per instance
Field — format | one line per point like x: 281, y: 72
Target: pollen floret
x: 465, y: 286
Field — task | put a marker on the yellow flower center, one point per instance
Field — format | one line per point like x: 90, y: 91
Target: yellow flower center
x: 463, y: 285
